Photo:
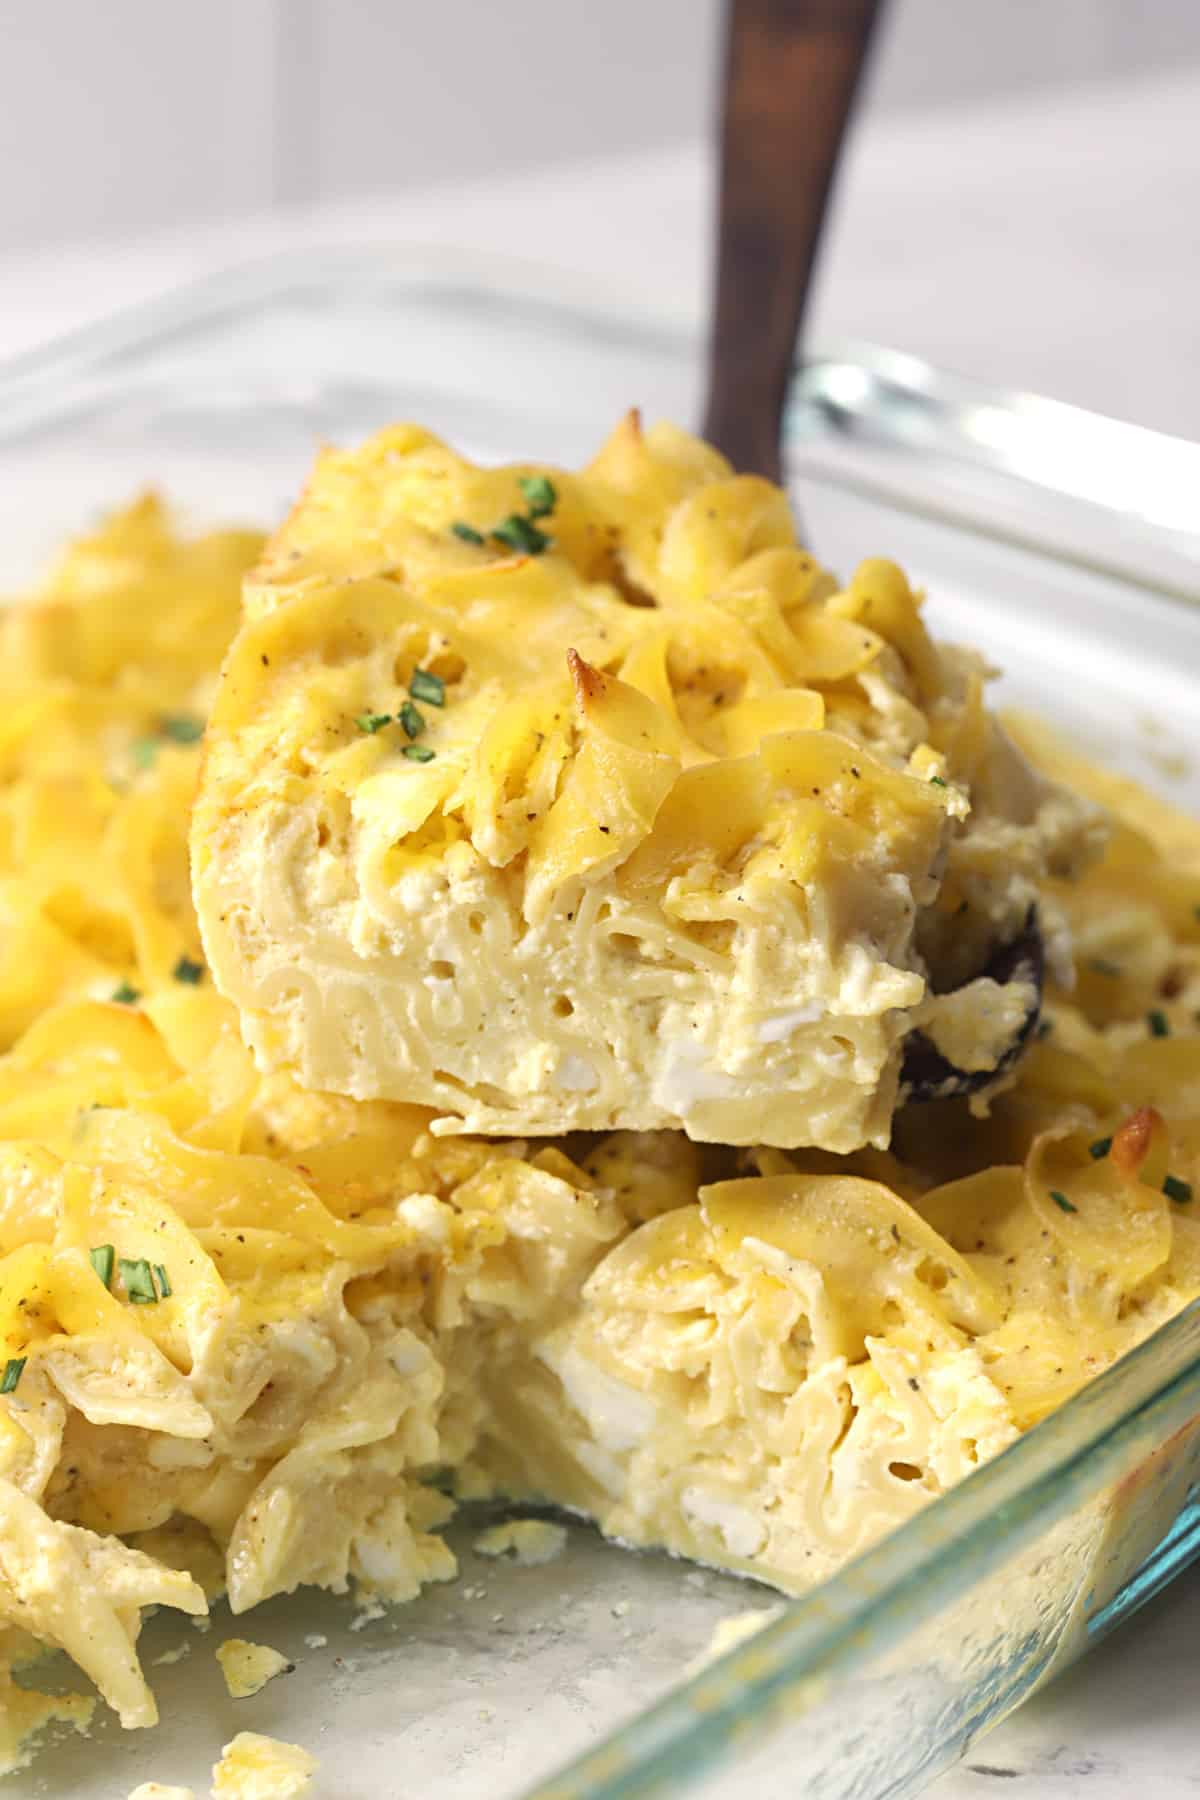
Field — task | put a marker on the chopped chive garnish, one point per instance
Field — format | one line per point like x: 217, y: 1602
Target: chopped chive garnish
x: 164, y: 1286
x: 1196, y: 912
x: 412, y: 719
x: 1045, y: 1027
x: 521, y: 534
x: 138, y: 1279
x: 1100, y: 965
x: 1061, y: 1201
x: 183, y: 728
x: 427, y: 687
x: 12, y: 1373
x: 176, y: 728
x: 102, y: 1257
x: 937, y: 781
x: 517, y: 532
x: 540, y: 495
x: 126, y: 994
x: 417, y: 753
x: 372, y: 722
x: 1175, y: 1189
x: 1100, y: 1149
x: 1157, y: 1021
x: 189, y: 972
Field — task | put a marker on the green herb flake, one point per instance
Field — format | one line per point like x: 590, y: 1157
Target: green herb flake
x: 1061, y: 1201
x: 1045, y: 1027
x: 1175, y: 1189
x: 164, y: 1286
x: 427, y: 687
x: 1157, y: 1021
x: 103, y: 1258
x: 1100, y: 1149
x: 467, y: 533
x: 13, y: 1369
x: 183, y: 728
x: 1196, y: 913
x: 143, y: 751
x: 1100, y: 965
x: 417, y: 753
x: 126, y: 994
x: 189, y: 972
x: 937, y: 781
x: 522, y: 535
x: 372, y: 722
x: 541, y: 495
x: 139, y: 1280
x: 412, y: 719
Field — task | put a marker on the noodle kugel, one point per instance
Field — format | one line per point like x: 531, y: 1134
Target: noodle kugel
x: 267, y: 1311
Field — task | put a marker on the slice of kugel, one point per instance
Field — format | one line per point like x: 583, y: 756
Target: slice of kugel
x: 570, y: 801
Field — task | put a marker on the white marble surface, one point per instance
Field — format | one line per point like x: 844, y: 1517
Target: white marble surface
x: 1046, y: 246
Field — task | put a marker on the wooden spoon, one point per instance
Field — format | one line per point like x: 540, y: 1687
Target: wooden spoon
x: 791, y: 73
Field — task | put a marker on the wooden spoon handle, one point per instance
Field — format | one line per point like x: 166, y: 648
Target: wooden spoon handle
x: 792, y: 68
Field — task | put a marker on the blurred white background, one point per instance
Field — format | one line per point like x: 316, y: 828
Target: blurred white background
x: 121, y: 116
x: 1018, y: 200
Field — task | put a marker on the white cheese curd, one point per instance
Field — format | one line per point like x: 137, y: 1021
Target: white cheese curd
x: 618, y: 1418
x: 743, y: 1534
x: 682, y: 1078
x: 577, y: 1073
x: 778, y: 1026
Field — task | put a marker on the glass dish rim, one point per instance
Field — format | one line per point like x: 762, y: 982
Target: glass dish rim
x: 898, y: 1583
x: 942, y: 397
x: 970, y: 1530
x: 236, y: 288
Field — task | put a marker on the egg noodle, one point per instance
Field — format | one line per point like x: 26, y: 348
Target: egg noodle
x: 256, y: 1337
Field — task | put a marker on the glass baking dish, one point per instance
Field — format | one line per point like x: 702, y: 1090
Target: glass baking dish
x: 879, y: 1678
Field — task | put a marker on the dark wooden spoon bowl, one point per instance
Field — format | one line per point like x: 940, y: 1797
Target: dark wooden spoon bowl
x: 925, y: 1074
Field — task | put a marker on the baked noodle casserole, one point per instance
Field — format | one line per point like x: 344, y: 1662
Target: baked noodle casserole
x: 528, y: 1090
